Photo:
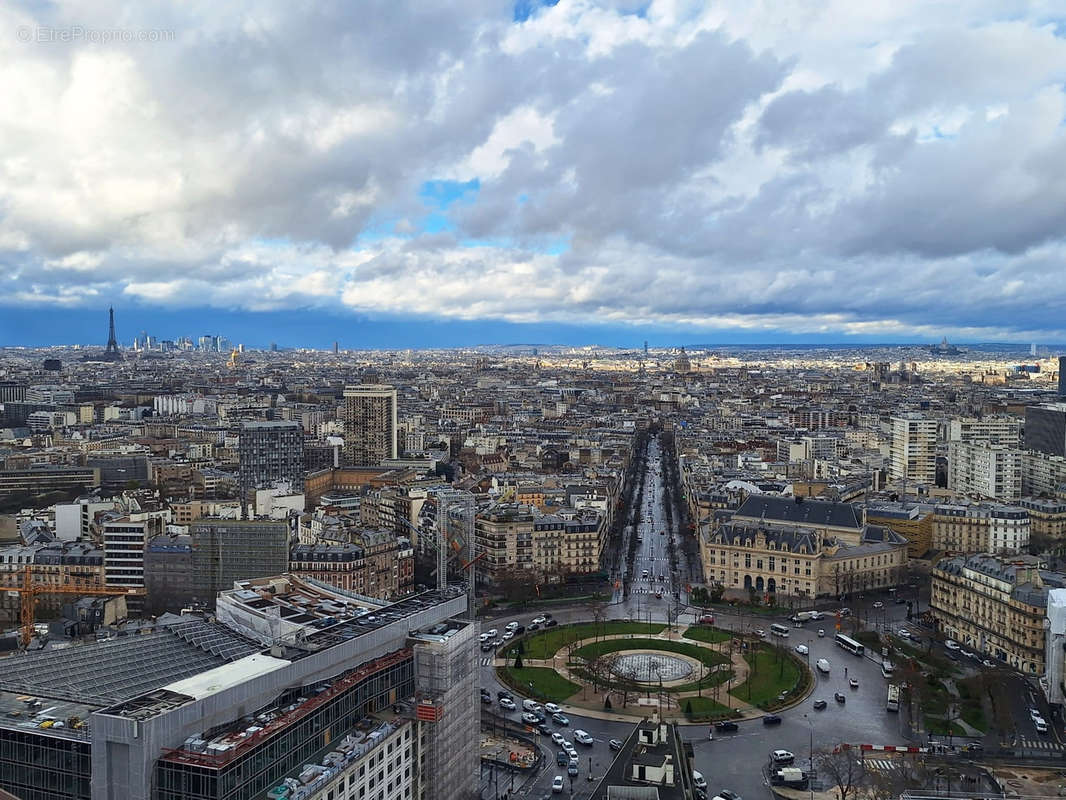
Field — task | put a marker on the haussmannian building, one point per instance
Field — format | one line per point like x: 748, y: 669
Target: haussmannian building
x: 800, y: 547
x: 995, y: 606
x: 980, y: 528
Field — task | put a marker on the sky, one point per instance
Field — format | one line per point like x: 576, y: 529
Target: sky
x: 387, y: 173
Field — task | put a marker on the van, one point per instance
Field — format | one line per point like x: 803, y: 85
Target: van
x: 530, y: 705
x: 823, y: 665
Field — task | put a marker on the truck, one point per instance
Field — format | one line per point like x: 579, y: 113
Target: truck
x: 790, y: 777
x: 804, y: 616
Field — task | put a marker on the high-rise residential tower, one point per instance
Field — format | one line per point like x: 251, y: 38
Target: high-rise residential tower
x: 271, y: 452
x: 1045, y: 428
x: 369, y: 417
x: 913, y: 449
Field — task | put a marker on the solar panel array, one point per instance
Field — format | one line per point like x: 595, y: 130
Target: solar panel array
x: 108, y: 672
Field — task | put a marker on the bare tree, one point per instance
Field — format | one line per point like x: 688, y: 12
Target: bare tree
x: 841, y: 767
x: 599, y: 617
x: 624, y: 681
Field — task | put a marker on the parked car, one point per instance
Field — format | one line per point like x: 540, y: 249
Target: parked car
x: 819, y: 705
x: 558, y: 738
x: 951, y: 644
x: 988, y: 663
x: 707, y: 619
x: 615, y: 744
x: 782, y: 757
x: 562, y: 759
x: 508, y: 703
x: 802, y: 649
x: 840, y: 697
x: 904, y: 633
x: 725, y: 794
x: 551, y: 708
x: 726, y: 726
x: 698, y: 780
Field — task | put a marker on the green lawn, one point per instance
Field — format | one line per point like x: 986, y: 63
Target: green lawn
x: 546, y: 643
x: 973, y: 714
x: 547, y: 683
x: 773, y: 670
x: 594, y: 650
x: 703, y: 705
x: 940, y: 726
x: 705, y: 633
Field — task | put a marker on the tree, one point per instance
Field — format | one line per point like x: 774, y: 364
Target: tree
x: 521, y: 647
x: 717, y: 591
x: 840, y: 767
x: 599, y: 616
x: 688, y: 708
x: 518, y: 661
x: 624, y: 681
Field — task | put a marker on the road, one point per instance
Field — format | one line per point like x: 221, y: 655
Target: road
x: 730, y: 761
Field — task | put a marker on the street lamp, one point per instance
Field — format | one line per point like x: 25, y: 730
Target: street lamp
x: 810, y: 772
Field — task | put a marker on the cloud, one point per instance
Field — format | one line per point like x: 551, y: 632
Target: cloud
x: 887, y: 167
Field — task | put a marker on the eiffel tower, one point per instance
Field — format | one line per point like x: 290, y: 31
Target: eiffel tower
x: 112, y: 353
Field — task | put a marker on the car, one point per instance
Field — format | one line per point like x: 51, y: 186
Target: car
x: 557, y: 785
x: 504, y: 693
x: 988, y: 663
x: 562, y: 759
x: 707, y: 619
x: 903, y: 633
x: 583, y: 737
x: 1034, y: 713
x: 571, y: 768
x: 486, y: 647
x: 484, y: 637
x: 726, y: 726
x: 551, y: 708
x: 490, y: 633
x: 497, y: 643
x: 879, y: 604
x: 558, y: 738
x: 508, y: 703
x: 725, y: 794
x: 760, y: 633
x: 821, y: 633
x: 512, y: 625
x: 615, y: 744
x: 529, y: 719
x: 572, y: 751
x: 854, y: 683
x: 967, y: 653
x: 508, y: 635
x: 550, y: 623
x: 560, y: 719
x: 1041, y: 726
x: 542, y: 726
x: 802, y: 649
x: 659, y: 594
x: 782, y: 757
x: 900, y: 601
x: 519, y: 630
x: 698, y: 780
x: 845, y: 612
x: 531, y: 705
x: 840, y: 697
x: 951, y: 655
x: 771, y: 719
x: 951, y: 644
x: 539, y: 620
x: 486, y: 699
x: 533, y: 626
x: 820, y: 705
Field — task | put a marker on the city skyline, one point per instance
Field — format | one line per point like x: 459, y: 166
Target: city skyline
x: 697, y: 170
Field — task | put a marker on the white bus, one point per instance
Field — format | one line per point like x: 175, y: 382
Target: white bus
x: 849, y: 644
x: 779, y: 630
x: 893, y: 698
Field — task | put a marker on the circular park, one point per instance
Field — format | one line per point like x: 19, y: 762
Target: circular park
x: 697, y: 673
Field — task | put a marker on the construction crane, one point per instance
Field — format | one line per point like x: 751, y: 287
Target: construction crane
x: 28, y: 591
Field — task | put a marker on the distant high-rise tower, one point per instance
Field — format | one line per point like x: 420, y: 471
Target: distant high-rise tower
x: 1062, y: 376
x: 1032, y: 349
x: 645, y: 348
x: 369, y: 416
x: 336, y: 348
x: 112, y: 352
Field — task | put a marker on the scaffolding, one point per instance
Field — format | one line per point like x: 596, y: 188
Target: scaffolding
x: 456, y: 510
x: 447, y: 701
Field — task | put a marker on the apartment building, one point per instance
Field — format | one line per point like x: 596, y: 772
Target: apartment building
x: 1042, y: 474
x: 984, y: 470
x: 1047, y: 520
x: 271, y: 452
x: 995, y: 606
x: 376, y: 564
x: 984, y: 528
x: 912, y: 521
x: 997, y: 429
x: 913, y: 449
x: 369, y: 417
x: 125, y: 538
x: 1045, y: 428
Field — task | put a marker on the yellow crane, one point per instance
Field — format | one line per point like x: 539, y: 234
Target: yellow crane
x: 29, y: 589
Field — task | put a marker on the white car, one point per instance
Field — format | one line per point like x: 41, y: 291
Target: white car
x: 821, y: 633
x: 551, y: 708
x: 557, y: 784
x: 951, y: 644
x: 539, y: 620
x: 508, y: 703
x: 512, y: 625
x: 490, y: 634
x: 508, y: 635
x: 802, y: 649
x: 558, y: 738
x: 698, y: 780
x: 484, y: 637
x: 782, y: 757
x: 904, y: 633
x: 760, y: 633
x: 583, y: 737
x: 530, y: 719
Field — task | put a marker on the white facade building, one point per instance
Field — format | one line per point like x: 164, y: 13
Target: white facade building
x: 985, y: 470
x: 913, y: 449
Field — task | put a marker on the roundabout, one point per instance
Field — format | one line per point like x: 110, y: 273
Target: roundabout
x: 699, y: 674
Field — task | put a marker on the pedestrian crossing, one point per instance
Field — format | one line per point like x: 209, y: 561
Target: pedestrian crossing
x: 879, y: 764
x: 486, y: 661
x: 1039, y: 744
